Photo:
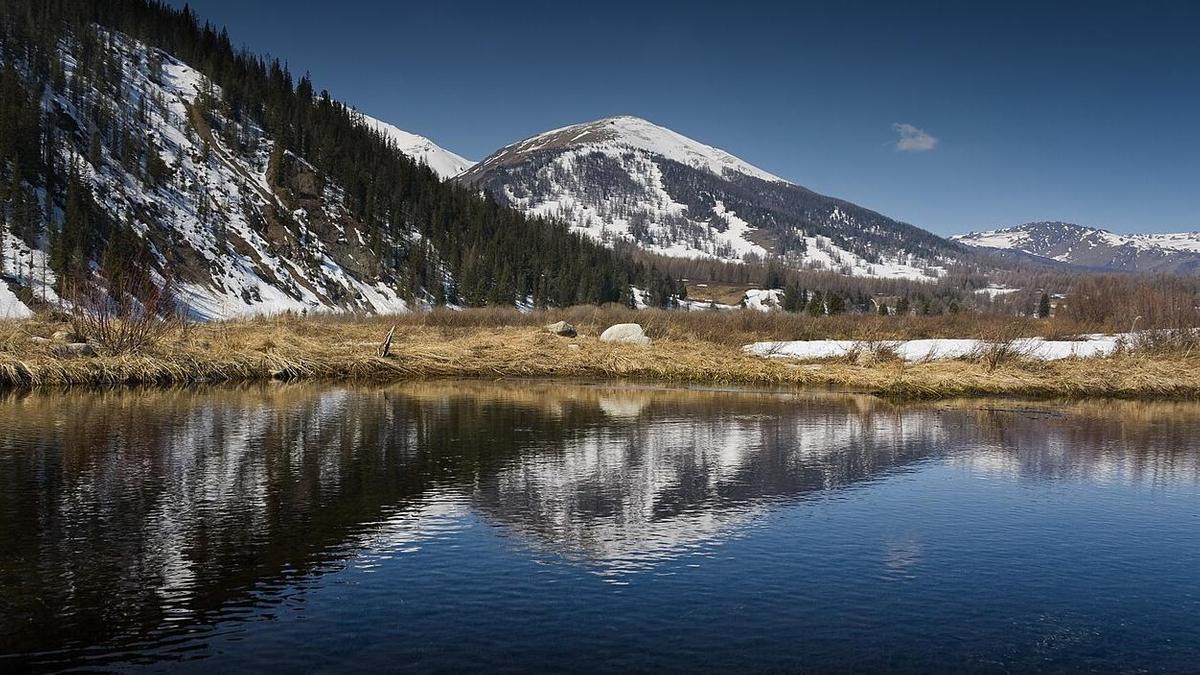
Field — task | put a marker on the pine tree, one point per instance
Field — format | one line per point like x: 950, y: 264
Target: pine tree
x: 883, y: 308
x: 816, y: 304
x: 836, y: 304
x: 95, y: 154
x: 3, y: 242
x: 792, y: 298
x: 1043, y: 309
x: 681, y: 291
x: 661, y: 289
x: 902, y: 307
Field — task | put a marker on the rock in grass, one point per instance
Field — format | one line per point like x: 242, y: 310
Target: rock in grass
x: 74, y: 349
x: 38, y: 340
x: 631, y: 333
x: 562, y: 328
x: 67, y: 337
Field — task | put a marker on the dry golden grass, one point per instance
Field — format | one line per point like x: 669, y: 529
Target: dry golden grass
x: 736, y: 328
x: 724, y: 294
x: 480, y: 345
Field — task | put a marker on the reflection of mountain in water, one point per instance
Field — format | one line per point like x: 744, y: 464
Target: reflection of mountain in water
x: 676, y: 474
x: 124, y: 514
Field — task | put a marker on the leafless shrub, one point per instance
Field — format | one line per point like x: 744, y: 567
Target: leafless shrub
x: 874, y: 344
x: 1161, y: 302
x: 1161, y: 342
x: 127, y: 317
x: 1000, y: 344
x: 872, y: 352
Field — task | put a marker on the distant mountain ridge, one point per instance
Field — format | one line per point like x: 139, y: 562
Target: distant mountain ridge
x: 625, y: 179
x: 1095, y: 248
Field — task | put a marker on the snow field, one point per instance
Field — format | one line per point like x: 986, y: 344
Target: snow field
x: 1089, y: 346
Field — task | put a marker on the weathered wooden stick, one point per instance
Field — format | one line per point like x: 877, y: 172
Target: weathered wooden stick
x: 385, y: 349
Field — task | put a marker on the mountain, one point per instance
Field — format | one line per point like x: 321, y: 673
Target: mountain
x: 1095, y: 248
x: 444, y: 163
x: 139, y: 149
x: 624, y: 179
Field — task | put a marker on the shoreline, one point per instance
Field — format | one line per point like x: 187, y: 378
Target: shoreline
x: 298, y: 349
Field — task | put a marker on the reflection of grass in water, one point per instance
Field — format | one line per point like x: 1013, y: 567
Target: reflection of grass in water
x: 39, y: 408
x: 317, y: 348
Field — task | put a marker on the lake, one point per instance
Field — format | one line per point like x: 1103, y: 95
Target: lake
x: 530, y: 526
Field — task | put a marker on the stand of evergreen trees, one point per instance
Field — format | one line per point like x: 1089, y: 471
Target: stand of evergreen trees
x: 493, y: 253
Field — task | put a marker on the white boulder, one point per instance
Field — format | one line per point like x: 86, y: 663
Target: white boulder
x: 631, y: 333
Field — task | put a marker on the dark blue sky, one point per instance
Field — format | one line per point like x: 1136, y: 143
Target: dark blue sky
x: 1088, y: 111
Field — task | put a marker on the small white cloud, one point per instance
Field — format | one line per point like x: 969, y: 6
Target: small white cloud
x: 913, y: 139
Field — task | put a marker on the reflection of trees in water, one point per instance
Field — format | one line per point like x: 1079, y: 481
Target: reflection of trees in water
x: 122, y: 511
x: 1153, y: 444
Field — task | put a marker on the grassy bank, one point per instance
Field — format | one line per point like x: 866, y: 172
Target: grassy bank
x: 487, y: 345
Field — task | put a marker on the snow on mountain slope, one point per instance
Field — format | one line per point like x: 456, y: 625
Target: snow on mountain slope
x: 1188, y: 242
x: 633, y: 132
x: 624, y: 179
x: 11, y: 307
x: 1093, y: 247
x: 23, y: 267
x: 240, y: 229
x: 443, y: 162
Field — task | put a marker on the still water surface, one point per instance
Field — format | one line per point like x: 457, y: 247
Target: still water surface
x: 530, y: 526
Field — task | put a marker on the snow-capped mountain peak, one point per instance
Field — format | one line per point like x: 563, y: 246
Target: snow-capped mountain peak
x: 634, y: 133
x: 627, y: 180
x: 444, y: 163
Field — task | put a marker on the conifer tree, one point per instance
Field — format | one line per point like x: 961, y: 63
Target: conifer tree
x: 816, y: 304
x: 1043, y: 309
x: 836, y: 304
x: 792, y: 298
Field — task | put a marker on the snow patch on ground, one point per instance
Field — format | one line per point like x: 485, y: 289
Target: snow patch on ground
x: 994, y: 291
x: 764, y: 300
x: 28, y: 268
x: 1089, y: 346
x: 10, y: 306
